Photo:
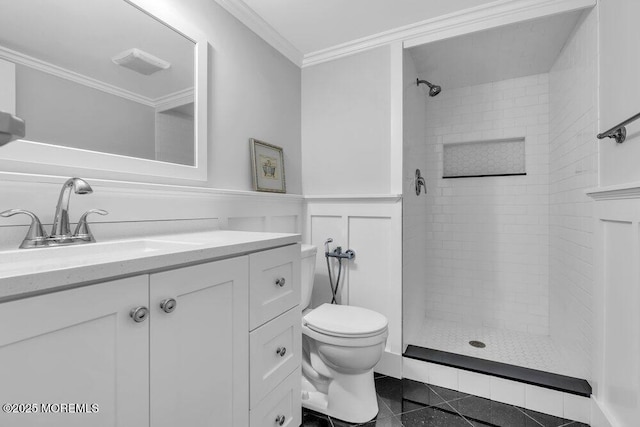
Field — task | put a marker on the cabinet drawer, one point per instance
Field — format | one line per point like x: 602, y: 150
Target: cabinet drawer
x: 283, y: 401
x: 275, y: 351
x: 274, y: 283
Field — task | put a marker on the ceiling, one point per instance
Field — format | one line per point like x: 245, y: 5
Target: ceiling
x: 313, y: 25
x: 512, y: 51
x: 82, y: 36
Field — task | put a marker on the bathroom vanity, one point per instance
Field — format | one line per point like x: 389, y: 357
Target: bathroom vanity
x: 194, y: 329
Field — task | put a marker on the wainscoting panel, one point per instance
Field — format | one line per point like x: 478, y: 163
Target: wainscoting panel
x: 285, y: 223
x: 137, y: 210
x: 616, y: 299
x: 247, y: 223
x: 370, y: 279
x: 323, y: 227
x: 372, y: 227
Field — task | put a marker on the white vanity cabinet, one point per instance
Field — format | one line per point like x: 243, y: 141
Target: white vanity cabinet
x: 187, y: 366
x: 275, y: 337
x: 213, y: 344
x: 77, y: 346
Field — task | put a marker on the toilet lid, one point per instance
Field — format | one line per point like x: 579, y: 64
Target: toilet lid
x: 345, y: 320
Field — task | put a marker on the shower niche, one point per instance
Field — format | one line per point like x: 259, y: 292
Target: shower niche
x: 476, y: 159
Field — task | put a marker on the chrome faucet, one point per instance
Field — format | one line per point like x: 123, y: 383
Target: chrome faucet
x: 61, y: 231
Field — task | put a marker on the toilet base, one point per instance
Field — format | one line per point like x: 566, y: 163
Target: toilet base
x: 350, y: 398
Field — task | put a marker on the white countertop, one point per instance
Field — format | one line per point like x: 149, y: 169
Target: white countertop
x: 26, y: 272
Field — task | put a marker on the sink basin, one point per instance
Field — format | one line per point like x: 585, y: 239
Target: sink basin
x: 61, y: 257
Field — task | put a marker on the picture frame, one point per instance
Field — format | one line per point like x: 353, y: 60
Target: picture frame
x: 267, y: 165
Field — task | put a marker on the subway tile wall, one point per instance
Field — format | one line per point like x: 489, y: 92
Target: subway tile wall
x: 414, y: 208
x: 574, y: 167
x: 488, y: 238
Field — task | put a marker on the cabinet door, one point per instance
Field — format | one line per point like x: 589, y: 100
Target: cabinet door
x: 78, y: 347
x: 199, y: 351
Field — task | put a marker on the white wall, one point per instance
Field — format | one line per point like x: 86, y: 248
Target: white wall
x: 573, y: 168
x: 488, y: 238
x: 174, y: 137
x: 616, y: 365
x: 347, y: 109
x: 63, y: 112
x: 619, y: 89
x: 414, y: 208
x: 372, y: 227
x: 254, y: 92
x: 346, y: 126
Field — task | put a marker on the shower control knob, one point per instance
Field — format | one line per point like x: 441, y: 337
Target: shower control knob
x: 280, y: 419
x: 281, y: 351
x: 280, y: 282
x: 139, y: 314
x: 168, y: 305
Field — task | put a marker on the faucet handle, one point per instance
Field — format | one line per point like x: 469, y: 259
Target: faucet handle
x: 36, y: 236
x: 82, y: 229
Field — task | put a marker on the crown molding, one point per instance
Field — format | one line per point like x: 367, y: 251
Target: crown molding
x: 251, y: 19
x: 173, y: 99
x: 495, y: 14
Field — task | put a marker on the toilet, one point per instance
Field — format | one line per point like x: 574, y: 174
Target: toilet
x: 341, y: 344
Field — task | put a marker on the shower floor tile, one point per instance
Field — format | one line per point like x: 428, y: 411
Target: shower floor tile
x: 511, y: 347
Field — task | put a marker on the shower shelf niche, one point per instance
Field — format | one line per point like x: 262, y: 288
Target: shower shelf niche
x: 473, y: 159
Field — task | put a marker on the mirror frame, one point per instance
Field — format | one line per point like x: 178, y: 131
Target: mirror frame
x: 30, y: 157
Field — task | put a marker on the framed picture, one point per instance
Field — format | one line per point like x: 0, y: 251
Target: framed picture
x: 267, y: 163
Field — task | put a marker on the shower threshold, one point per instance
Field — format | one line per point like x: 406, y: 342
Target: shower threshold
x: 535, y: 377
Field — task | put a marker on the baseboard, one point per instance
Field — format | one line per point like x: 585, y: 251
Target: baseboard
x: 390, y: 364
x: 599, y: 417
x: 552, y: 402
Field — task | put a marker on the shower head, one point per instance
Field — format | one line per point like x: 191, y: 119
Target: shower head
x: 433, y: 89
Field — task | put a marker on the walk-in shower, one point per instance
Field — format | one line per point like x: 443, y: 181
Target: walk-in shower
x: 497, y: 252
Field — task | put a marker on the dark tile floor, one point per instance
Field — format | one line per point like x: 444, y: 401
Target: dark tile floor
x: 407, y: 403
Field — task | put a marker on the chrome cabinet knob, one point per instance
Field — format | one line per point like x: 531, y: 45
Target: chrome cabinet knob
x: 281, y: 351
x: 168, y: 305
x: 139, y: 314
x: 280, y: 419
x: 280, y: 282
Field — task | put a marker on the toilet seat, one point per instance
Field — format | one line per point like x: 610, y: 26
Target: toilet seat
x: 345, y: 321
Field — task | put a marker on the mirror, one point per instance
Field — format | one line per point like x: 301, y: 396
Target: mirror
x: 103, y: 84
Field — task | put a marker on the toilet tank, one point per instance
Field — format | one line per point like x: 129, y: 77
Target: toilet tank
x: 307, y: 270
